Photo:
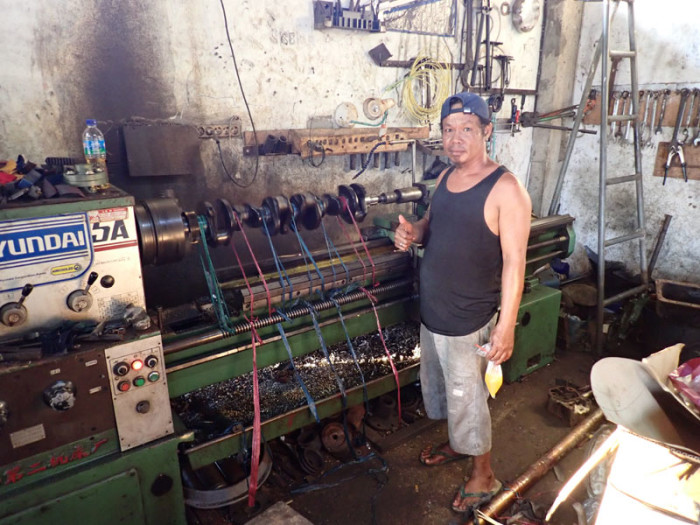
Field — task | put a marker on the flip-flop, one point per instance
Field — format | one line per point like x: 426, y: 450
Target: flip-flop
x: 484, y: 497
x: 434, y: 451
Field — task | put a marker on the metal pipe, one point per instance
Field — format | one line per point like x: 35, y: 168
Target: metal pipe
x: 659, y: 242
x: 540, y: 467
x: 602, y: 177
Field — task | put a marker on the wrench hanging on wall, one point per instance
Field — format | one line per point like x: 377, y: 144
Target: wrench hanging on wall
x: 642, y: 129
x: 653, y: 118
x: 686, y: 131
x: 667, y: 92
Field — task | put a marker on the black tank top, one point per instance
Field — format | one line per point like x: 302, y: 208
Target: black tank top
x: 460, y: 274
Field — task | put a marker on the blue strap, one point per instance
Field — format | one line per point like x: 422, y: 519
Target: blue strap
x: 329, y: 244
x: 278, y: 264
x: 343, y: 396
x: 365, y: 397
x: 306, y: 251
x: 309, y: 399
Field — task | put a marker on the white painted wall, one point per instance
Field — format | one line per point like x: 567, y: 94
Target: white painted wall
x: 290, y: 72
x: 668, y: 43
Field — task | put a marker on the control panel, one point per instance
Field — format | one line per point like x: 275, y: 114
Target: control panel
x: 139, y: 391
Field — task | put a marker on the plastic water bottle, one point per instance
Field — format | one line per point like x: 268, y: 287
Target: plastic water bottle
x: 94, y: 146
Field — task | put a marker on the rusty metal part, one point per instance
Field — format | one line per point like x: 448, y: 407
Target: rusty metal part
x: 333, y: 437
x: 355, y: 415
x: 540, y: 467
x: 385, y: 414
x: 311, y: 460
x: 659, y: 243
x: 570, y: 403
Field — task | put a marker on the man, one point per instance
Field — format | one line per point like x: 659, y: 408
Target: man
x: 475, y: 236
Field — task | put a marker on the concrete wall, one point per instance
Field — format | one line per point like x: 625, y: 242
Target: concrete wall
x: 170, y: 62
x: 668, y: 42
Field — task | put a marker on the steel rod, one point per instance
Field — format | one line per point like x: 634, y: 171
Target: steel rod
x: 299, y: 311
x: 540, y: 467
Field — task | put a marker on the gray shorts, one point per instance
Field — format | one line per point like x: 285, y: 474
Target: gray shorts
x: 452, y: 381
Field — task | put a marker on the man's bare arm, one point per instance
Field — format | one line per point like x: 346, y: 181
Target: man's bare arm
x: 514, y: 229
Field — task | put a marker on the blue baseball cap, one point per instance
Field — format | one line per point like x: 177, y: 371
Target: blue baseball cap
x: 468, y: 103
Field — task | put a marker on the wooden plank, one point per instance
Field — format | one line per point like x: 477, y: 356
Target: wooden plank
x: 670, y: 115
x: 347, y: 141
x: 692, y: 159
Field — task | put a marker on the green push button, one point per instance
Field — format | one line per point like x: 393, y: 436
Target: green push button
x: 139, y: 381
x: 153, y: 377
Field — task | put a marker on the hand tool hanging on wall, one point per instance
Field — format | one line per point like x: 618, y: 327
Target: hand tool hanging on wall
x: 686, y: 130
x: 615, y: 102
x: 675, y: 147
x: 623, y: 110
x: 653, y: 119
x: 630, y: 112
x: 667, y: 92
x: 484, y: 20
x: 615, y: 62
x: 643, y: 127
x: 696, y: 139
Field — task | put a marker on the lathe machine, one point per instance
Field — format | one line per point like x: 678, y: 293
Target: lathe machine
x: 100, y: 398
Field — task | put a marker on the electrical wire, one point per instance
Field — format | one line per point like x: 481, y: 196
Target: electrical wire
x: 425, y: 73
x: 247, y: 107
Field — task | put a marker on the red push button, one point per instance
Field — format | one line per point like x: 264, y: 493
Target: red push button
x: 123, y: 386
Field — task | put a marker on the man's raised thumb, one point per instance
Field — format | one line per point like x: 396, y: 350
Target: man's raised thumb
x: 402, y: 219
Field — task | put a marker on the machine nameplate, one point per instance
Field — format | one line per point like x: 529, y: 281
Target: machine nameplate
x: 27, y: 436
x: 31, y: 249
x: 56, y: 254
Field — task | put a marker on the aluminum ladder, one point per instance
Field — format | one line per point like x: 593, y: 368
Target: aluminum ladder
x: 602, y: 54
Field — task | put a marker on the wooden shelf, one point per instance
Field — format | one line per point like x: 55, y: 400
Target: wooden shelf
x: 343, y: 141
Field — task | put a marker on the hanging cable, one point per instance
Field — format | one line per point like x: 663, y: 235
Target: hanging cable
x: 247, y: 107
x: 369, y: 158
x: 425, y: 74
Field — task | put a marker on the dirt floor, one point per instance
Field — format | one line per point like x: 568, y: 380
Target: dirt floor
x: 393, y: 488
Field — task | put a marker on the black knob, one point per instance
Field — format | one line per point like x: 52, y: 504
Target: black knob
x: 107, y: 281
x: 91, y: 280
x: 26, y: 291
x: 121, y: 368
x: 142, y: 407
x: 151, y: 361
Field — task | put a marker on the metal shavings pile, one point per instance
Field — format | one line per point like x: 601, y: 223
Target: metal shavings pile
x: 213, y: 410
